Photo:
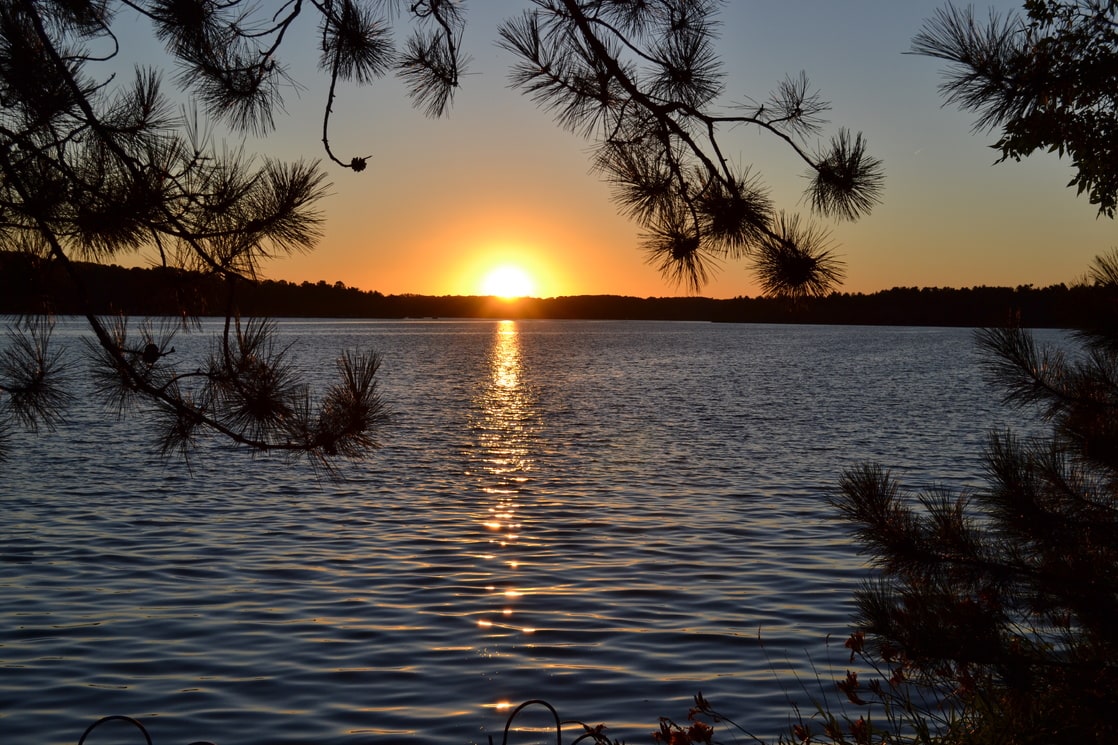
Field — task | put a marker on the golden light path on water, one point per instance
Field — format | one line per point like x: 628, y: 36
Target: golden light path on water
x: 504, y: 436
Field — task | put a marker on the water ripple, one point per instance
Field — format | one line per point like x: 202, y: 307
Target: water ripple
x: 611, y: 516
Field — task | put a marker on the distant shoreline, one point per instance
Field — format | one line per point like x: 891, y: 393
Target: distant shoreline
x: 28, y: 285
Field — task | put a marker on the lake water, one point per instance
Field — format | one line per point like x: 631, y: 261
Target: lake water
x: 611, y: 516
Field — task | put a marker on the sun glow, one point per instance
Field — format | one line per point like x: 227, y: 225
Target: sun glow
x: 508, y: 282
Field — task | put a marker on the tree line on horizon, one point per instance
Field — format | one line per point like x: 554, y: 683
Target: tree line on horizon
x: 30, y: 286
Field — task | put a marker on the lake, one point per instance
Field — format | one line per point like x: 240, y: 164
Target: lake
x: 611, y: 516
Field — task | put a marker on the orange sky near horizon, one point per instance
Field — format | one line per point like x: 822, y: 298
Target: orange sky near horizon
x: 497, y: 182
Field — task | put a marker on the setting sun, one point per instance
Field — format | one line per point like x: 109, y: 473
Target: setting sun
x: 508, y: 282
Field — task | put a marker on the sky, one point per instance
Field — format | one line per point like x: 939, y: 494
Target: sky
x: 446, y: 201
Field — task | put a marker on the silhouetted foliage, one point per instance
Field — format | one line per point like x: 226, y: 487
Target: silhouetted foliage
x: 642, y: 80
x: 93, y: 168
x: 1004, y: 599
x: 1047, y: 81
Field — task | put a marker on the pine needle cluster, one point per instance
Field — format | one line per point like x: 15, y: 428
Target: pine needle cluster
x: 641, y: 79
x: 95, y: 167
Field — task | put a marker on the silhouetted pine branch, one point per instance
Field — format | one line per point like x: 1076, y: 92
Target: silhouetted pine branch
x: 642, y: 81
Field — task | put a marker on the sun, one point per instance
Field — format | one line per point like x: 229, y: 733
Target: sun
x: 508, y: 282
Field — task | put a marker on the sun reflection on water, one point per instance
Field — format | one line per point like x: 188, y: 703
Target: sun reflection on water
x: 505, y: 360
x: 505, y: 430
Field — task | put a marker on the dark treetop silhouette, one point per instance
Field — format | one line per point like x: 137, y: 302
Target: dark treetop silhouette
x: 93, y: 168
x: 1003, y: 600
